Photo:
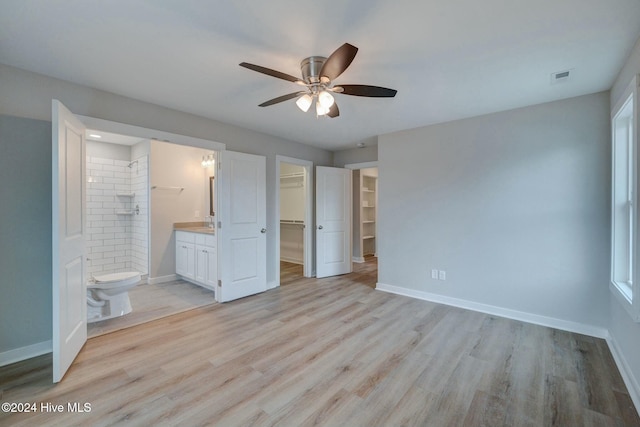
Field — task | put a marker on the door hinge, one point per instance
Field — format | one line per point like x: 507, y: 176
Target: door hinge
x: 219, y: 165
x: 219, y: 283
x: 219, y: 224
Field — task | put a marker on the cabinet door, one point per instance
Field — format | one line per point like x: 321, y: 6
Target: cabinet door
x: 185, y: 259
x: 202, y: 260
x: 212, y: 268
x: 181, y: 258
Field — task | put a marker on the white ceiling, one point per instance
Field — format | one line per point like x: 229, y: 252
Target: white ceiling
x: 448, y: 59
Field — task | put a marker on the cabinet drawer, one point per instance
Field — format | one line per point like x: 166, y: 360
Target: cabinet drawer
x: 210, y: 241
x: 206, y: 240
x: 183, y: 236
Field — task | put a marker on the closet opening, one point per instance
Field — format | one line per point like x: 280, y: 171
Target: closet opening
x: 365, y: 221
x: 294, y: 219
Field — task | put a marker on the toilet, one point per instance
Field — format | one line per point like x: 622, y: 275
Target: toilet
x: 108, y: 295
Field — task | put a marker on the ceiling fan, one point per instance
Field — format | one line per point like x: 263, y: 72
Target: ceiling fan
x: 318, y: 74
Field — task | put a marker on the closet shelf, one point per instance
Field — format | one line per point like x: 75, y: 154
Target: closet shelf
x: 292, y: 175
x: 368, y: 214
x: 291, y: 221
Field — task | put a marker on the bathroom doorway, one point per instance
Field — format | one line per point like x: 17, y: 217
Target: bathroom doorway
x: 128, y: 179
x: 294, y: 219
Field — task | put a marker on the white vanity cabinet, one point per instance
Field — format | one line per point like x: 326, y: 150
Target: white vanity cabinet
x: 196, y: 258
x: 185, y: 255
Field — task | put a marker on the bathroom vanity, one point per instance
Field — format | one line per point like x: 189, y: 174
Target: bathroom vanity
x: 196, y: 257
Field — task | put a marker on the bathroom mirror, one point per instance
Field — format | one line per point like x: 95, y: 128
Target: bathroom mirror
x: 211, y: 187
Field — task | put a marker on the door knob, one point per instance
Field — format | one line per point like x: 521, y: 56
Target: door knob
x: 264, y: 230
x: 320, y: 227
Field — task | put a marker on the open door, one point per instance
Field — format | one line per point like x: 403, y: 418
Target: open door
x: 333, y: 221
x: 242, y: 225
x: 68, y: 238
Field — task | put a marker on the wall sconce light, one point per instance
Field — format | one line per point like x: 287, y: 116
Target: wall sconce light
x: 208, y: 161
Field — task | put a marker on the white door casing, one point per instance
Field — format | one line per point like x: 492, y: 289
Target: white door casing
x: 242, y: 233
x: 69, y: 289
x: 333, y: 221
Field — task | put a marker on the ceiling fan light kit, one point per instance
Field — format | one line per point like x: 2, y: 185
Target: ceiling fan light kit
x: 304, y: 102
x: 318, y: 74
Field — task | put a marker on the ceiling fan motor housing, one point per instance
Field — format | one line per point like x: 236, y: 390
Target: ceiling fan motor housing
x: 311, y: 67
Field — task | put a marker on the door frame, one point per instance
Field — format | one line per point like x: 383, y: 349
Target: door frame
x: 149, y: 133
x: 309, y: 268
x: 363, y: 165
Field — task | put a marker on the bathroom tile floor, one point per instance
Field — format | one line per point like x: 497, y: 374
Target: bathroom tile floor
x: 151, y: 302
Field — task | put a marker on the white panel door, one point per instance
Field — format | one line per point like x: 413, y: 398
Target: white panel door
x: 68, y: 237
x: 333, y: 221
x: 242, y: 238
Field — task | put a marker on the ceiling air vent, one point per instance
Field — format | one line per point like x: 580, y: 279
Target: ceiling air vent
x: 560, y: 76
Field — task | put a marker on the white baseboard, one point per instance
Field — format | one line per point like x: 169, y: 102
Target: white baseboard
x: 357, y: 259
x: 536, y: 319
x: 627, y: 374
x: 24, y: 353
x: 162, y: 279
x: 291, y: 260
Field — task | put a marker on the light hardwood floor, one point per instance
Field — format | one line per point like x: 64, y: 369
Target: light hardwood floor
x: 330, y: 352
x: 290, y: 273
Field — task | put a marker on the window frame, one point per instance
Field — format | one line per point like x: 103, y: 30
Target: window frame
x: 626, y: 291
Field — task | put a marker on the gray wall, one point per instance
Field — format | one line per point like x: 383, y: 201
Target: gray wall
x: 368, y: 153
x: 28, y: 95
x: 25, y: 232
x: 624, y: 332
x: 514, y: 206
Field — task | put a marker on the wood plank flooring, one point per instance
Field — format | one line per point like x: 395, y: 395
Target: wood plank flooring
x: 290, y: 273
x: 330, y: 352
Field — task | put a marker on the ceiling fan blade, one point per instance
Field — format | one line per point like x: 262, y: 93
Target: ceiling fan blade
x: 366, y: 90
x: 333, y: 111
x: 281, y: 99
x: 272, y: 73
x: 338, y: 61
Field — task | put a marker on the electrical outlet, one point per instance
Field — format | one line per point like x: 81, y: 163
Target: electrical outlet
x: 442, y: 275
x: 434, y: 274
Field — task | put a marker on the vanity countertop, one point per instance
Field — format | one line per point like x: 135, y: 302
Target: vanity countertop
x: 194, y: 227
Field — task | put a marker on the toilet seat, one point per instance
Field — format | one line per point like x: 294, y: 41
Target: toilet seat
x: 111, y: 280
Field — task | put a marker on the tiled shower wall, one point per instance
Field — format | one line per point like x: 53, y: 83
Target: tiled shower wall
x: 140, y: 222
x: 117, y: 235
